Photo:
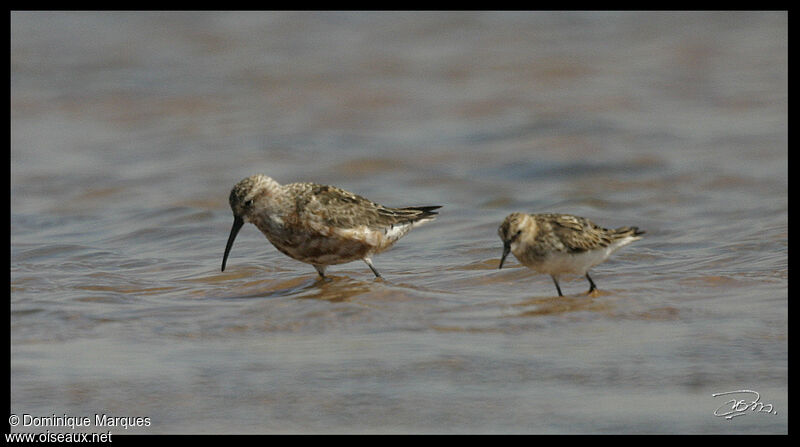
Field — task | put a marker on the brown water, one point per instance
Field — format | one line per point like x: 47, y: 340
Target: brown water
x: 129, y: 129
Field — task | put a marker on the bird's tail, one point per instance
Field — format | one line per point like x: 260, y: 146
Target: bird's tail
x: 425, y: 211
x: 632, y: 232
x: 420, y: 214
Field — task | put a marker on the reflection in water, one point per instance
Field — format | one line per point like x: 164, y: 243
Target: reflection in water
x: 558, y: 305
x: 271, y: 288
x: 338, y: 288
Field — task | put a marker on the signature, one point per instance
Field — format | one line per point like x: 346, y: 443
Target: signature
x: 733, y: 407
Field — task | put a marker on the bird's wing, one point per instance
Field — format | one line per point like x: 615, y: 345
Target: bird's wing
x: 579, y: 234
x: 336, y: 208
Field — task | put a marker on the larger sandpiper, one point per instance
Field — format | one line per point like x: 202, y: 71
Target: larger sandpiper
x: 558, y: 244
x: 317, y: 224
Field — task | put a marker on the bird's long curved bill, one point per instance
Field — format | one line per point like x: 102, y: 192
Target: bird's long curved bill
x: 506, y: 249
x: 237, y: 225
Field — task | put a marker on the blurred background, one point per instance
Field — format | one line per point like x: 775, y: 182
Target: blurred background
x: 129, y: 129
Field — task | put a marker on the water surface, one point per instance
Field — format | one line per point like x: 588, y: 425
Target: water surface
x: 129, y: 129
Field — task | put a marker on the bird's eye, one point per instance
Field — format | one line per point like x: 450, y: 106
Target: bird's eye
x: 249, y: 203
x: 513, y: 238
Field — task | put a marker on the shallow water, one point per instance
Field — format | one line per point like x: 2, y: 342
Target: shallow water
x: 129, y: 129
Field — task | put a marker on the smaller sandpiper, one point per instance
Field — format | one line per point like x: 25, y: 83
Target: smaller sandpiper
x: 317, y: 224
x: 558, y: 244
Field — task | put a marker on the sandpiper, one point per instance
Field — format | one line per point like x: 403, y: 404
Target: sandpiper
x: 558, y: 244
x: 317, y: 224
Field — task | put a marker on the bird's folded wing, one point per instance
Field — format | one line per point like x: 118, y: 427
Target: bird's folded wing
x: 578, y: 234
x: 333, y: 207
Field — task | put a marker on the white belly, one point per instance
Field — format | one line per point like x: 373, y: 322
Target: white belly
x: 562, y: 263
x: 558, y: 263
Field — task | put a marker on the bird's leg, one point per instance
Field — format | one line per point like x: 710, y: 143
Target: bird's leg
x: 557, y: 286
x: 320, y: 270
x: 592, y: 287
x: 369, y: 263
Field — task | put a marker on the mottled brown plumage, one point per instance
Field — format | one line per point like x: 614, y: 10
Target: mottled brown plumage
x: 318, y: 224
x: 558, y: 244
